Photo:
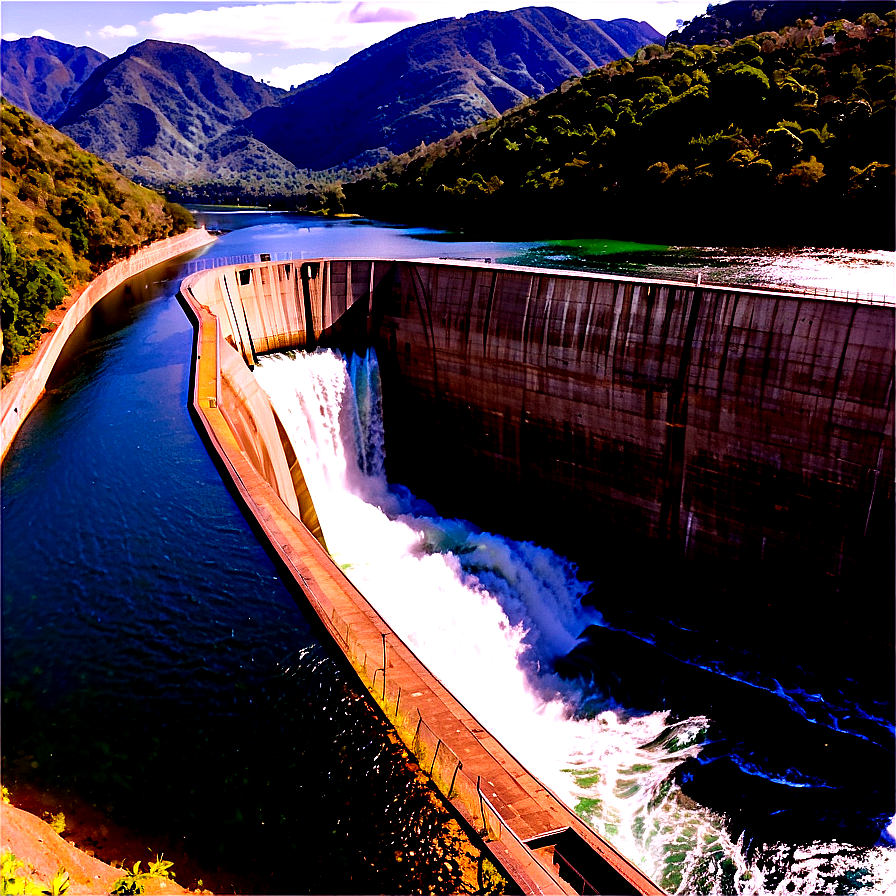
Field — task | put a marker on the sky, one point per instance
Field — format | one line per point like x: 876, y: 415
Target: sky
x: 282, y: 42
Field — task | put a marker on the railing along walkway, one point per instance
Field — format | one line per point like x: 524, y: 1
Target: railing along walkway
x: 811, y: 292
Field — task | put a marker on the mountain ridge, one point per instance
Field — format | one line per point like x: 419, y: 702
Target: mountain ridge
x: 165, y: 113
x: 433, y: 79
x: 152, y: 110
x: 40, y: 75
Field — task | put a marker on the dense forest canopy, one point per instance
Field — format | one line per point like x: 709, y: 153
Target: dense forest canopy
x: 739, y: 18
x: 67, y: 215
x: 781, y: 137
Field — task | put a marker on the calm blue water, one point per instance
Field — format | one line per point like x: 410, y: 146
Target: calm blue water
x: 153, y: 662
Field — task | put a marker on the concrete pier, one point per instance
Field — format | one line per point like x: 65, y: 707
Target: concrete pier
x: 736, y: 431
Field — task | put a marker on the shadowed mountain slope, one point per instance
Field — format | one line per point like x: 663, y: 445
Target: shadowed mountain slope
x: 432, y: 79
x: 153, y: 110
x: 629, y: 34
x: 40, y: 75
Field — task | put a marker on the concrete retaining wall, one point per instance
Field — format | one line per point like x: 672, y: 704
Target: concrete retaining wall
x: 725, y: 424
x: 20, y: 395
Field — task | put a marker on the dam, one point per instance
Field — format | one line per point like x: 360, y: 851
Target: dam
x: 725, y: 426
x: 728, y: 431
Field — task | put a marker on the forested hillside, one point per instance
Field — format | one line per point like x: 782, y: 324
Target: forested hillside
x: 783, y: 137
x: 740, y: 18
x: 66, y: 216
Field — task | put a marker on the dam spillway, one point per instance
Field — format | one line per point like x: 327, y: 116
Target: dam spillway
x: 361, y: 302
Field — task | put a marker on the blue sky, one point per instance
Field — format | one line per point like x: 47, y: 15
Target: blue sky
x: 282, y: 41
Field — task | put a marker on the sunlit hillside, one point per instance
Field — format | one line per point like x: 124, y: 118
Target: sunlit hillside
x: 66, y: 216
x: 784, y: 136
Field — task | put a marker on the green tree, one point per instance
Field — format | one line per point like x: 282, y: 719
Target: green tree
x: 803, y: 175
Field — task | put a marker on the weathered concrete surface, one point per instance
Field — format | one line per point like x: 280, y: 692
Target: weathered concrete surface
x: 690, y: 448
x: 485, y: 784
x: 717, y: 427
x: 734, y: 424
x: 20, y: 395
x: 275, y: 306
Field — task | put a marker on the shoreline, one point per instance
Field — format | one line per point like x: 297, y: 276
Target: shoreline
x: 43, y: 851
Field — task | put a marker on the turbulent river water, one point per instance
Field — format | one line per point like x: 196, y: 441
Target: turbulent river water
x: 154, y: 664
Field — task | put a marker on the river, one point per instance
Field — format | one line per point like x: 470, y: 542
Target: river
x: 154, y: 664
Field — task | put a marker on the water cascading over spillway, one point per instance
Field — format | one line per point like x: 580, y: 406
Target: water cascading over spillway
x: 489, y: 616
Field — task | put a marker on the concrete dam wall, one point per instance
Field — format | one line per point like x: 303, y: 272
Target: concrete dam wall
x: 643, y: 427
x: 736, y: 431
x: 538, y: 842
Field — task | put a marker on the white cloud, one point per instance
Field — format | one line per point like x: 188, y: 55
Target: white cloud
x: 40, y: 32
x: 230, y: 58
x: 293, y: 75
x: 350, y: 24
x: 315, y: 24
x: 112, y: 31
x: 364, y: 13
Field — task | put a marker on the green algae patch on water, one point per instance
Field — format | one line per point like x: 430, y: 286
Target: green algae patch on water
x: 623, y: 257
x: 585, y: 778
x: 607, y: 247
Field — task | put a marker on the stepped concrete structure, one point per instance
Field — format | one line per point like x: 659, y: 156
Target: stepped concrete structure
x: 722, y: 431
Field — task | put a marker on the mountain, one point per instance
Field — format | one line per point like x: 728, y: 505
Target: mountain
x: 429, y: 80
x: 629, y: 34
x: 164, y: 112
x: 785, y: 138
x: 153, y: 110
x: 40, y: 75
x: 740, y: 18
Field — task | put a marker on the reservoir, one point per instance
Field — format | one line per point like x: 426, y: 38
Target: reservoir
x: 153, y: 661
